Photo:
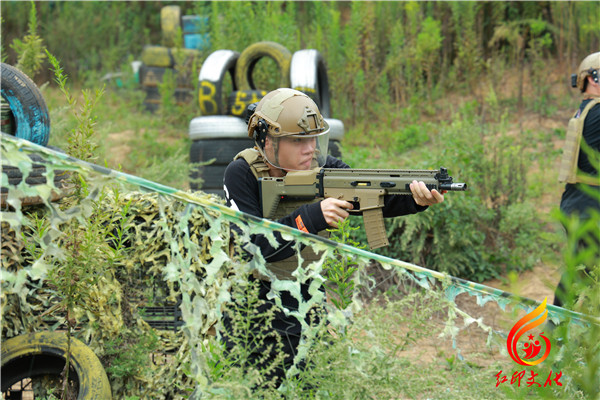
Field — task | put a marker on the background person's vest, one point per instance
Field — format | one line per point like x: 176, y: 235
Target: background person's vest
x: 282, y: 269
x: 568, y: 167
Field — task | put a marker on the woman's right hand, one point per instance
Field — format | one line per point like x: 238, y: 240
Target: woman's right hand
x: 334, y: 210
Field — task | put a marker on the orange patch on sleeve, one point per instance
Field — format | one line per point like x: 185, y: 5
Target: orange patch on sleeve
x: 300, y: 224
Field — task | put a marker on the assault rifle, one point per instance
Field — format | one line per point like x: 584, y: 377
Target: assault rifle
x: 364, y: 188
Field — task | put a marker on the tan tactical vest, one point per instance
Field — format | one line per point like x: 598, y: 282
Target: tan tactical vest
x: 282, y: 269
x: 568, y: 167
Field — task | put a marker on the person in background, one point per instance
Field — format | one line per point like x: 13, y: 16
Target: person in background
x: 580, y: 197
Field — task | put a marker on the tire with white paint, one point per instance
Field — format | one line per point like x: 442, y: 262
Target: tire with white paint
x: 308, y: 74
x: 217, y: 65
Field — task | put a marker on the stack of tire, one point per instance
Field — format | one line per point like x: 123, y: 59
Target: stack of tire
x: 180, y: 61
x: 221, y: 132
x: 25, y: 115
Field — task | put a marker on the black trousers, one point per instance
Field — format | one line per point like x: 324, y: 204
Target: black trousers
x: 287, y: 328
x: 568, y: 278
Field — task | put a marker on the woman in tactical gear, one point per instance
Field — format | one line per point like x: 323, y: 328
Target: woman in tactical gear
x: 290, y: 134
x: 577, y: 170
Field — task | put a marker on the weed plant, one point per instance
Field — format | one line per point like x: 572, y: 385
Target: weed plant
x: 244, y: 364
x: 340, y: 270
x: 31, y: 50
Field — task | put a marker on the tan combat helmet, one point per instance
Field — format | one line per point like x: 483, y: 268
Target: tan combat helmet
x: 288, y: 113
x: 590, y: 66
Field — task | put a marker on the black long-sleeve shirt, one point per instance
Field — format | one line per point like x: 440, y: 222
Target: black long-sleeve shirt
x: 575, y: 200
x: 242, y: 194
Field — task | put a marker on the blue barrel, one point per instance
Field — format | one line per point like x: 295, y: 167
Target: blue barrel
x: 197, y: 41
x: 194, y: 23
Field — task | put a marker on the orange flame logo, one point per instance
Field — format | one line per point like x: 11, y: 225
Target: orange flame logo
x: 532, y: 349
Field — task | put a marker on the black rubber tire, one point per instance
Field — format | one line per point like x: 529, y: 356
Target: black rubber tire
x: 239, y: 100
x: 170, y: 24
x: 217, y: 137
x: 212, y: 74
x: 28, y: 107
x: 222, y: 150
x: 336, y: 129
x: 308, y: 74
x: 153, y: 99
x: 153, y: 76
x: 36, y: 177
x: 211, y: 175
x: 151, y: 106
x: 7, y: 121
x: 157, y: 56
x: 44, y: 353
x: 252, y: 54
x: 336, y: 135
x: 334, y: 149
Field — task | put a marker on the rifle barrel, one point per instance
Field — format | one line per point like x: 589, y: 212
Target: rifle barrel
x: 454, y: 186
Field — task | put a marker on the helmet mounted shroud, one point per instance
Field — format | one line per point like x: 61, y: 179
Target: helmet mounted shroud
x: 288, y: 115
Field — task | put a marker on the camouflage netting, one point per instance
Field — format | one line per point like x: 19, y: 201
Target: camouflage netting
x: 164, y: 249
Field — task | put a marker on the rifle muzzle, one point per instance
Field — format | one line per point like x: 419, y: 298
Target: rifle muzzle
x: 453, y: 186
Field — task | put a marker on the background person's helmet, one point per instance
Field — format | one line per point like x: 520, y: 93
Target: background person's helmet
x: 590, y: 66
x: 289, y: 113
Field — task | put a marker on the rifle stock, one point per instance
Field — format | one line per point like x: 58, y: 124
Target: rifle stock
x: 365, y: 188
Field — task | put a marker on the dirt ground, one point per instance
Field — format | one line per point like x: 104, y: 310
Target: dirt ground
x: 536, y: 284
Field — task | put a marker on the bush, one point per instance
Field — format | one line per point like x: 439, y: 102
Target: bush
x: 479, y: 234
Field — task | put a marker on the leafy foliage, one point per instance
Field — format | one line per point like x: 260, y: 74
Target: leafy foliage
x: 233, y: 370
x: 340, y: 269
x: 30, y: 51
